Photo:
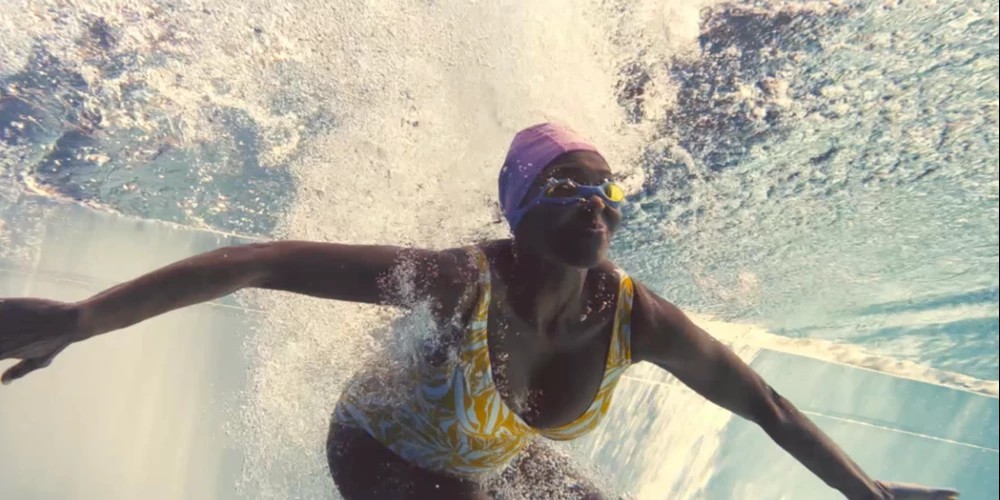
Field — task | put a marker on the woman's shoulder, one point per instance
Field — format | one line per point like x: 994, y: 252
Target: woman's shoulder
x: 493, y: 248
x: 608, y: 269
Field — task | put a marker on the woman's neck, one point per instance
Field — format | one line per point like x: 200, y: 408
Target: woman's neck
x: 546, y: 292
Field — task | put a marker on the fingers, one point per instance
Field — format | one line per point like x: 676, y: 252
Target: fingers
x: 21, y: 369
x: 903, y: 491
x: 27, y: 366
x: 946, y: 494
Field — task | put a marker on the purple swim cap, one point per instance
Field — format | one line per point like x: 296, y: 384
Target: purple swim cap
x: 531, y: 151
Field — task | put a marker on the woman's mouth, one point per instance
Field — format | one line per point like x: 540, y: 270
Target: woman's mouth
x: 595, y: 228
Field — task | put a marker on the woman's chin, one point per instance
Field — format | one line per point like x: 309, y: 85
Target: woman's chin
x: 583, y: 253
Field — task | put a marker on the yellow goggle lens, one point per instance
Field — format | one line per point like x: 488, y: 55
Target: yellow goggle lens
x: 614, y: 192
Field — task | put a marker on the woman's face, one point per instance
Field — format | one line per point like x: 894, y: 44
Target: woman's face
x: 577, y: 234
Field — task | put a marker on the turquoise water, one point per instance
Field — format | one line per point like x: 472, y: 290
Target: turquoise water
x: 815, y: 183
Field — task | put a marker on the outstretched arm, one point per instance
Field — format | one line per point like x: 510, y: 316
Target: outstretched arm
x: 662, y: 334
x: 356, y: 273
x: 35, y: 330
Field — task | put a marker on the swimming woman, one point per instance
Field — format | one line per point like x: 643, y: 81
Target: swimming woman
x: 533, y: 334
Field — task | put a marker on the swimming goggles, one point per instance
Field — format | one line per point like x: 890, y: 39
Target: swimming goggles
x: 566, y: 192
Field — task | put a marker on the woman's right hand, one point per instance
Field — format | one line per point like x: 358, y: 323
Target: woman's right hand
x: 35, y: 331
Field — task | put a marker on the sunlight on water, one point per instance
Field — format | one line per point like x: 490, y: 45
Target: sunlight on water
x: 827, y: 170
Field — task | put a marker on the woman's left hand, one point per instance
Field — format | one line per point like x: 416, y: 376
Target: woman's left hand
x: 901, y: 491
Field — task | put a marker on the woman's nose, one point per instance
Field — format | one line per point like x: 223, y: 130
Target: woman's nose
x: 595, y: 203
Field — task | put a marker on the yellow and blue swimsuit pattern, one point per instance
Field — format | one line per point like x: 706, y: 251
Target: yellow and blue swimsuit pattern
x: 456, y: 421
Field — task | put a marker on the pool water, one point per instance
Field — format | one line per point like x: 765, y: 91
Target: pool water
x: 815, y: 183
